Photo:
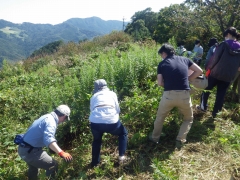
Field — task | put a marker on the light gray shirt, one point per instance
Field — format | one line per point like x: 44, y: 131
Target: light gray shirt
x: 198, y: 50
x: 104, y: 107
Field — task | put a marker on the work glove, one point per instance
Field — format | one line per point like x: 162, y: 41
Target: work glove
x: 67, y: 157
x: 208, y: 73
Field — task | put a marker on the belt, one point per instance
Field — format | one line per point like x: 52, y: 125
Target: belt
x: 26, y: 145
x: 103, y: 105
x: 179, y: 90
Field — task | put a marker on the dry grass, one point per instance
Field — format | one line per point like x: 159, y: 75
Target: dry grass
x: 207, y: 159
x: 201, y: 161
x: 210, y: 160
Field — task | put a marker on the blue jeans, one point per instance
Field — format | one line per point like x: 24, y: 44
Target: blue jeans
x: 116, y: 129
x: 222, y: 87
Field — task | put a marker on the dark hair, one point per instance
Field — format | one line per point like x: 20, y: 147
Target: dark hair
x: 59, y: 114
x: 212, y: 42
x: 167, y: 48
x: 232, y: 31
x: 197, y: 41
x: 180, y: 43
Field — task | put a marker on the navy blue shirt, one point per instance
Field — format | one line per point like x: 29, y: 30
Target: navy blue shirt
x: 174, y: 70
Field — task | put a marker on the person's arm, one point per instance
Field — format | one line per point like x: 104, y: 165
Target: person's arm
x: 238, y: 68
x: 197, y: 71
x: 160, y: 80
x: 50, y: 141
x: 53, y: 146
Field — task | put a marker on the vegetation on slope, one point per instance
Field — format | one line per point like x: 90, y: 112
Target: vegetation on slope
x: 23, y: 39
x: 36, y: 86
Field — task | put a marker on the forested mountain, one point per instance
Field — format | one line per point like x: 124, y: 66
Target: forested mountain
x: 18, y: 41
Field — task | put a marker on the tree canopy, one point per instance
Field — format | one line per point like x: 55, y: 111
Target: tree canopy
x: 191, y: 20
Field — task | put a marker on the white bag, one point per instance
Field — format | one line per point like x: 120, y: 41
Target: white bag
x: 201, y: 82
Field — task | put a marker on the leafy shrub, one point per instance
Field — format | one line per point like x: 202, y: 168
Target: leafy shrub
x: 37, y: 86
x: 9, y: 70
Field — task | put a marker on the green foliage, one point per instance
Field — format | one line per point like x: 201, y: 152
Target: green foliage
x: 38, y: 85
x: 224, y: 13
x: 161, y: 171
x: 114, y: 39
x: 18, y: 41
x: 143, y: 25
x: 47, y: 49
x: 173, y: 42
x: 9, y: 70
x: 169, y: 23
x: 187, y: 22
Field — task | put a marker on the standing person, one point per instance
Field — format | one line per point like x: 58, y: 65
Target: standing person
x: 212, y: 44
x: 223, y: 69
x: 198, y: 51
x: 40, y: 134
x: 104, y: 118
x: 172, y: 74
x: 181, y: 49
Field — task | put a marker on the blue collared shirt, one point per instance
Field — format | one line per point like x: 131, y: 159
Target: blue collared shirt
x: 42, y: 132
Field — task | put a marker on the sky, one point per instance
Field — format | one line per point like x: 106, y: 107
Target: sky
x: 58, y: 11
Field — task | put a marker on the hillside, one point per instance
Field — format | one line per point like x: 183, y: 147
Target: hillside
x: 18, y: 41
x: 36, y: 86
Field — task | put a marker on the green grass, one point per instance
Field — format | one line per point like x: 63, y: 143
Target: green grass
x: 36, y: 86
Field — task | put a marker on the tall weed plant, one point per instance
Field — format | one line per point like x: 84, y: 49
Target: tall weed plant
x: 66, y: 77
x: 33, y: 90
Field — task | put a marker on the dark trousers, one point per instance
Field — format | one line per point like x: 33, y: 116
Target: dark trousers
x: 38, y: 159
x: 116, y: 129
x: 198, y: 62
x: 222, y: 87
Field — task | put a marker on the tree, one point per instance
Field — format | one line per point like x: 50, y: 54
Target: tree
x: 143, y: 24
x: 223, y: 13
x: 139, y: 31
x: 176, y: 21
x: 47, y: 49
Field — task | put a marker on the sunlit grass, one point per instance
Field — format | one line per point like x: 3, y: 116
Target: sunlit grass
x: 39, y: 85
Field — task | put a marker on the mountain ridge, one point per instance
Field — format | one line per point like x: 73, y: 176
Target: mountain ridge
x: 19, y: 40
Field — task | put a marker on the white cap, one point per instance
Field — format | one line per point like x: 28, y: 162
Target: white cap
x: 64, y: 109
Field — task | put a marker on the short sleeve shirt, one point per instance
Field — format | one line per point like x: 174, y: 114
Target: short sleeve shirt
x: 174, y: 70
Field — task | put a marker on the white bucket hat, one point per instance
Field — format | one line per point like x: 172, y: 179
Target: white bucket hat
x: 64, y: 109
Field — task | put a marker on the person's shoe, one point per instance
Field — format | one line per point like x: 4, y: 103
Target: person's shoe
x: 123, y: 160
x: 200, y: 109
x: 94, y: 165
x: 179, y: 145
x: 214, y: 115
x: 151, y: 139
